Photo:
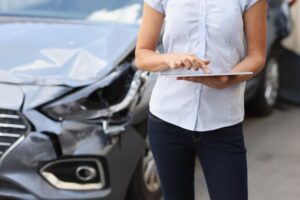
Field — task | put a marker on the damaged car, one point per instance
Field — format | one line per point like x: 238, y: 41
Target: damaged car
x: 73, y: 106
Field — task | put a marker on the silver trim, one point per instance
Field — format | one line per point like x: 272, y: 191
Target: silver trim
x: 272, y: 82
x: 14, y: 135
x: 6, y: 144
x: 8, y: 116
x: 150, y: 173
x: 11, y: 148
x: 18, y: 126
x: 59, y: 184
x: 16, y: 143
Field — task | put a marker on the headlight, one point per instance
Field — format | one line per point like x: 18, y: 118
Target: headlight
x: 97, y: 100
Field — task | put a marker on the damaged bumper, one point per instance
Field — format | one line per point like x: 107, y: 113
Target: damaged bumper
x: 91, y: 155
x: 79, y: 161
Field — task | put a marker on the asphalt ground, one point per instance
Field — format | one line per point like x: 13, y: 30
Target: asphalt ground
x: 273, y: 150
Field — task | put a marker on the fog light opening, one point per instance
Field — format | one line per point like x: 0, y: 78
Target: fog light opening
x: 75, y: 174
x: 86, y: 173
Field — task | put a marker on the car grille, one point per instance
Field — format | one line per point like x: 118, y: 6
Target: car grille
x: 12, y: 127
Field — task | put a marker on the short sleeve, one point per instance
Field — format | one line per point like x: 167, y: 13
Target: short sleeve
x: 156, y: 4
x: 249, y: 3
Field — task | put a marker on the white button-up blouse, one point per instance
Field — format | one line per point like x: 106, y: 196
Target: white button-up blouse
x: 213, y: 30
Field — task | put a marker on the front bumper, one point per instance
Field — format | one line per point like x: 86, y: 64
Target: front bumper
x: 20, y: 176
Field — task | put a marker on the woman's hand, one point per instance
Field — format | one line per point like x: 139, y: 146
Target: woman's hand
x: 146, y: 57
x: 216, y: 82
x: 186, y: 61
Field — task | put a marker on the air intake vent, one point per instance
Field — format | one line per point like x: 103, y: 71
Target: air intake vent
x: 12, y: 127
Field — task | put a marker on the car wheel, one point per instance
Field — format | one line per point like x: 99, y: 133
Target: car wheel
x: 265, y: 99
x: 145, y: 183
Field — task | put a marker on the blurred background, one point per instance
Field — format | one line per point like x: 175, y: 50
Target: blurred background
x: 73, y: 106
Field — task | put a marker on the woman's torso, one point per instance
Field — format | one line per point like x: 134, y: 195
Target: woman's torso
x: 214, y: 30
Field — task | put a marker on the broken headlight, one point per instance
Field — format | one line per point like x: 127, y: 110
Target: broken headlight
x: 111, y: 96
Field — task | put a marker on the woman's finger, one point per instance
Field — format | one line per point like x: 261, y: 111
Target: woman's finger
x: 187, y: 63
x: 196, y: 64
x: 204, y: 65
x: 205, y: 68
x: 206, y: 61
x: 180, y: 64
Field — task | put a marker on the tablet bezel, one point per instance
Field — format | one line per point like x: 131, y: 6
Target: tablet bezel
x: 207, y: 75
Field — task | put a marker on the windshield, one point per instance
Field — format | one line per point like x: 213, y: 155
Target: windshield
x: 128, y: 11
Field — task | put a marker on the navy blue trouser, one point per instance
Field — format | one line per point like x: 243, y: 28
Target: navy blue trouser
x: 221, y: 152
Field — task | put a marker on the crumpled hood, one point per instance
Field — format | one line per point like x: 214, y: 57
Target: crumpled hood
x: 41, y: 52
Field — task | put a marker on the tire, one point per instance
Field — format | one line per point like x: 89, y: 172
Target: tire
x: 265, y: 99
x: 139, y: 189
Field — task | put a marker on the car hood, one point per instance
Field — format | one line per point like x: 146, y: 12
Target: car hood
x: 56, y: 52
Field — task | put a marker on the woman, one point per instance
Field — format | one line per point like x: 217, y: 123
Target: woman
x: 195, y: 116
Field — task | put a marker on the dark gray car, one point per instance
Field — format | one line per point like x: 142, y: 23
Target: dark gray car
x: 262, y: 91
x: 73, y: 107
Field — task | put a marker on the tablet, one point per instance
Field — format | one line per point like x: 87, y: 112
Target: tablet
x: 200, y: 74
